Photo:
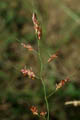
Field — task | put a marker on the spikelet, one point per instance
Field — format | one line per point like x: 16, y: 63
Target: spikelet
x: 34, y: 110
x: 53, y: 56
x: 37, y: 27
x: 75, y: 103
x: 62, y: 83
x: 43, y: 113
x: 28, y: 72
x: 28, y: 46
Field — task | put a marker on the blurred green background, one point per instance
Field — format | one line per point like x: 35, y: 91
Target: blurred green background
x: 60, y: 21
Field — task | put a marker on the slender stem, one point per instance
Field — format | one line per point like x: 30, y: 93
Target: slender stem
x: 41, y: 68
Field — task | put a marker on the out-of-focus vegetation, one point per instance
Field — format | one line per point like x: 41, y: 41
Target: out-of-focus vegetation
x: 60, y: 20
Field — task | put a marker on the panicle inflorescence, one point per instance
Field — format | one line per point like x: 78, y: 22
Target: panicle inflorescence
x: 30, y: 73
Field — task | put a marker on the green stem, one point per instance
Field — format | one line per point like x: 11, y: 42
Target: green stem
x: 41, y: 68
